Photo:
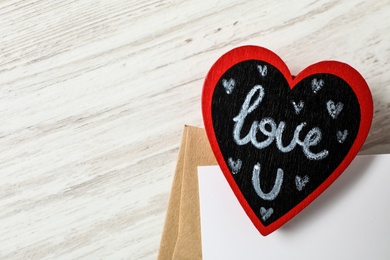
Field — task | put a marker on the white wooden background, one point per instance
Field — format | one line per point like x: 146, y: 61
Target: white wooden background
x: 94, y: 96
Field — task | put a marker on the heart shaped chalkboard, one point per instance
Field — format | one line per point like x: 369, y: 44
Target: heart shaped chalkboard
x: 282, y: 140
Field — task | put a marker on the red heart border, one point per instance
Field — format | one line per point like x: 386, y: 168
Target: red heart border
x: 342, y: 70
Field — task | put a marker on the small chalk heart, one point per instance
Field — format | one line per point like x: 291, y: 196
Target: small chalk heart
x: 229, y: 85
x: 298, y: 107
x: 262, y: 70
x: 316, y: 85
x: 300, y: 183
x: 334, y: 109
x: 266, y: 213
x: 341, y: 136
x: 235, y: 166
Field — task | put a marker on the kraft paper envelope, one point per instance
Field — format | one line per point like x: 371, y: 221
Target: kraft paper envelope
x: 181, y: 238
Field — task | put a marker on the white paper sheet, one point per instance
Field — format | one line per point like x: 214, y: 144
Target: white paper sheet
x: 350, y: 220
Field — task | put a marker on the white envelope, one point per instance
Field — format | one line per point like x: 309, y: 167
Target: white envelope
x: 350, y: 220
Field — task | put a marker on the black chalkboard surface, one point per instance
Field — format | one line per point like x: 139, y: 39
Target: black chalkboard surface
x: 282, y: 141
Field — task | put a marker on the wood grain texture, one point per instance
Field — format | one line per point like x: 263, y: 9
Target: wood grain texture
x: 94, y: 96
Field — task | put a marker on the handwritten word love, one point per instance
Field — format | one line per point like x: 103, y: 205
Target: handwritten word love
x: 268, y: 128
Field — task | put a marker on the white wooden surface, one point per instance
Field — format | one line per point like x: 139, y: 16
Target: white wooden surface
x: 94, y: 96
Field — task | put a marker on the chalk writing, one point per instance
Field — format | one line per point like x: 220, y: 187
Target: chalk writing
x: 245, y: 110
x: 256, y: 183
x: 312, y: 138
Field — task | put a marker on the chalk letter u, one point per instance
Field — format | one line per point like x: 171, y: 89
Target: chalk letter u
x: 256, y: 183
